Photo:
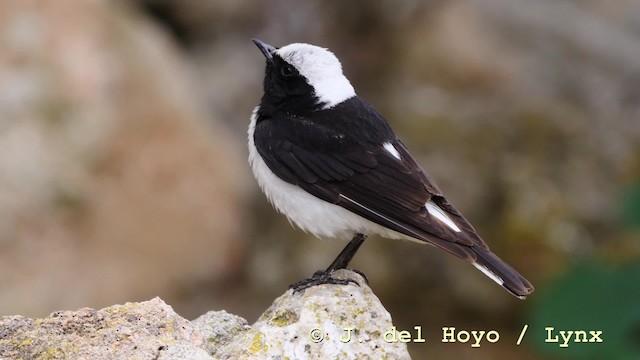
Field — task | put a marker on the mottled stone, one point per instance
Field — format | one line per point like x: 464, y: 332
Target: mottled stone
x: 311, y: 324
x: 130, y: 331
x: 305, y: 325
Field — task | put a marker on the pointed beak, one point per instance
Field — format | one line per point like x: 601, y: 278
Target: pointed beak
x: 267, y: 50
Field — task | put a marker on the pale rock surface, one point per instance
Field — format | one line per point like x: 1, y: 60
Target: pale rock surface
x: 131, y: 331
x: 152, y: 330
x: 285, y: 330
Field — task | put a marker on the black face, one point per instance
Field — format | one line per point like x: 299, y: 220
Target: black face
x: 286, y: 90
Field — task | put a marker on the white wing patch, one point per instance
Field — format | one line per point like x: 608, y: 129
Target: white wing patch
x: 435, y: 211
x: 392, y: 150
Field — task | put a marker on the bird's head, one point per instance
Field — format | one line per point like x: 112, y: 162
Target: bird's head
x: 303, y: 77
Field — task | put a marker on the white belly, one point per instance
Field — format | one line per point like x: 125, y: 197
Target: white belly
x: 306, y: 211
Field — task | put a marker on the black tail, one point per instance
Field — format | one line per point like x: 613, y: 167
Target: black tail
x: 502, y: 273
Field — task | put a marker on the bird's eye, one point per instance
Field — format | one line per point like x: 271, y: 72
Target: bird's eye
x: 287, y: 70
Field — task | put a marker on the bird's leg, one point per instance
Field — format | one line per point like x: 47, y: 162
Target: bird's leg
x: 341, y: 262
x: 345, y: 256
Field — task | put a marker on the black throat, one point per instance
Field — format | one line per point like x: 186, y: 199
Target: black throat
x: 287, y: 91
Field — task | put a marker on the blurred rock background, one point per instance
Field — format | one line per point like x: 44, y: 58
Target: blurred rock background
x: 123, y: 170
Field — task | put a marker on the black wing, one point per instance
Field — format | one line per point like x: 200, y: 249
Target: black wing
x: 339, y: 156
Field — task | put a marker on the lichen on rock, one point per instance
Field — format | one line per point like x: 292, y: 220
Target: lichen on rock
x: 313, y: 324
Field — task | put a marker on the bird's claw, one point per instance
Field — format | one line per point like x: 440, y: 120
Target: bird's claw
x: 321, y: 277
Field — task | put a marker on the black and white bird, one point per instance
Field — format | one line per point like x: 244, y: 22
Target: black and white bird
x: 331, y: 163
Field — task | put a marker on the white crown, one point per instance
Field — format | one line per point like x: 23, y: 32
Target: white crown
x: 323, y: 72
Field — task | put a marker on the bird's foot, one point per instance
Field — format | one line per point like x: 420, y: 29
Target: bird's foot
x: 321, y: 277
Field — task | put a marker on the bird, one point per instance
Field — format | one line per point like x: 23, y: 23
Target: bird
x: 328, y: 161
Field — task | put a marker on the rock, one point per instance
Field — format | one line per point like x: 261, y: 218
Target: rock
x: 133, y: 330
x: 219, y: 328
x: 152, y: 330
x: 182, y: 351
x: 309, y: 325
